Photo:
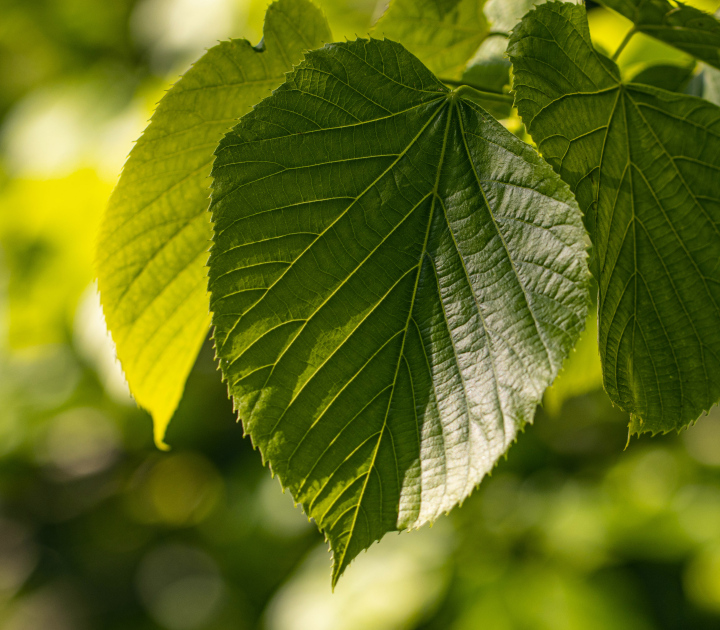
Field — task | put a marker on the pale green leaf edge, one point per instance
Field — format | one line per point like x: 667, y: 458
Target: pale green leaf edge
x: 156, y: 232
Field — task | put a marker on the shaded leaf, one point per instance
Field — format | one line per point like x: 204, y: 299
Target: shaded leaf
x: 443, y: 34
x: 687, y: 28
x: 156, y: 232
x: 644, y: 165
x: 395, y: 280
x: 666, y: 76
x: 489, y: 70
x: 489, y: 67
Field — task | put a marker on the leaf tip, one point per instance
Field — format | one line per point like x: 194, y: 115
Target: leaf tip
x: 337, y: 570
x: 159, y: 437
x: 160, y: 419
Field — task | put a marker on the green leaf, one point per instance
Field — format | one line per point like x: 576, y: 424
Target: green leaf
x: 644, y: 165
x: 666, y: 76
x: 443, y: 34
x: 504, y: 15
x: 687, y: 28
x: 395, y: 280
x: 489, y: 70
x: 489, y: 67
x: 155, y: 235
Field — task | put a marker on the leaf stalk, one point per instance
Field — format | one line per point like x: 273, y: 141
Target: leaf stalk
x: 471, y: 92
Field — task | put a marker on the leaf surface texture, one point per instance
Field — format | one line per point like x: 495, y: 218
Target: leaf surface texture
x: 643, y: 164
x: 395, y: 280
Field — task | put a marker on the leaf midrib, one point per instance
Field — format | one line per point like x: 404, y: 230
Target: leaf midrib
x: 435, y: 199
x: 624, y: 93
x: 329, y: 227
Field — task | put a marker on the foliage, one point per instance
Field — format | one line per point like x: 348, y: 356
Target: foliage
x: 394, y: 277
x: 682, y: 26
x: 640, y: 162
x: 443, y: 34
x: 153, y: 246
x: 395, y: 280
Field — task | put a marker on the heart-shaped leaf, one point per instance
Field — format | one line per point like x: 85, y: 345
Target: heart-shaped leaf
x: 644, y: 165
x: 395, y: 280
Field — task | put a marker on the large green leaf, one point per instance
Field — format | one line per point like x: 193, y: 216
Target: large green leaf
x: 156, y: 232
x: 644, y: 165
x: 395, y: 280
x: 687, y: 28
x: 443, y: 34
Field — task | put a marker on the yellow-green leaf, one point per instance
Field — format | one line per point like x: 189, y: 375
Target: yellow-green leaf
x: 155, y: 236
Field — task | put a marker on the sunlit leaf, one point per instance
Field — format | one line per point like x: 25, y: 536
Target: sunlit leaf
x: 644, y: 165
x: 443, y: 34
x: 489, y: 70
x: 687, y: 28
x: 395, y: 280
x: 156, y: 233
x: 503, y: 15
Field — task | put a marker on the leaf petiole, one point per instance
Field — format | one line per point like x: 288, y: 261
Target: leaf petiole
x: 474, y: 94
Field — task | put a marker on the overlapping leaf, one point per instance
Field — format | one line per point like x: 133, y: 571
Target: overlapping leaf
x: 395, y: 280
x: 666, y: 76
x: 687, y: 28
x: 156, y: 232
x: 443, y: 34
x: 489, y: 68
x: 644, y: 166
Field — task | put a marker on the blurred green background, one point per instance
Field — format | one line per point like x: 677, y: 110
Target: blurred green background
x: 98, y: 529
